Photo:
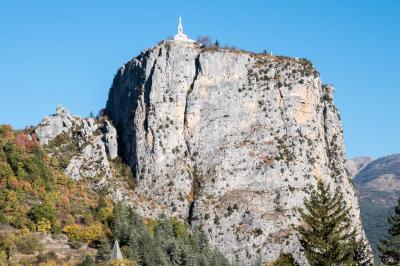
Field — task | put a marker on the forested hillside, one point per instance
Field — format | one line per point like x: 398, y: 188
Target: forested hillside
x: 48, y: 219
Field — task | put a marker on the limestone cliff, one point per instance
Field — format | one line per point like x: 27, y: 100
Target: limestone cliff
x: 229, y: 140
x: 85, y: 149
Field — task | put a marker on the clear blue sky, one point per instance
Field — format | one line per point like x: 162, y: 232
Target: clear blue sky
x: 67, y: 52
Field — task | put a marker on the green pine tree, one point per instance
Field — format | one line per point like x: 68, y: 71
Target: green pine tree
x: 104, y: 251
x: 133, y: 248
x: 390, y: 247
x: 326, y: 233
x: 87, y: 261
x: 189, y: 258
x: 174, y: 253
x: 215, y: 258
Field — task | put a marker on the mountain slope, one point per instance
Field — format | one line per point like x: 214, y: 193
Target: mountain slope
x: 356, y: 164
x: 378, y: 186
x: 382, y: 174
x: 48, y: 218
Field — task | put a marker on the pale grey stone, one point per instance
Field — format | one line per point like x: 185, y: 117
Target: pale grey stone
x: 110, y: 140
x: 229, y: 140
x: 54, y: 125
x: 95, y: 140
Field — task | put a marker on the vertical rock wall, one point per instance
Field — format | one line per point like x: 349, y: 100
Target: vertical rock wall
x: 229, y: 140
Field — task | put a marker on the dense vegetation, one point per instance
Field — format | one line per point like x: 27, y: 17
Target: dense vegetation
x: 34, y: 196
x: 159, y: 242
x: 38, y: 200
x: 390, y: 247
x: 374, y: 217
x: 377, y: 198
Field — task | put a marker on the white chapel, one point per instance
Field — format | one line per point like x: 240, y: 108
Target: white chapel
x: 181, y: 36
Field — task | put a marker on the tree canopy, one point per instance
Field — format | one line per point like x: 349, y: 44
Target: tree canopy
x: 327, y: 234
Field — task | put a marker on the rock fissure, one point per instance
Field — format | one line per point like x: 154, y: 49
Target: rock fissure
x: 147, y: 91
x: 185, y: 115
x: 282, y: 108
x: 194, y: 191
x: 328, y: 149
x: 194, y: 194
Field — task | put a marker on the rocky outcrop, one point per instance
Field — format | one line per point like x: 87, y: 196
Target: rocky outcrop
x: 55, y: 125
x: 230, y: 141
x: 110, y: 140
x: 89, y: 144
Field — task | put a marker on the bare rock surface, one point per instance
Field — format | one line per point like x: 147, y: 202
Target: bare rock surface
x: 54, y: 125
x: 230, y: 141
x: 89, y: 144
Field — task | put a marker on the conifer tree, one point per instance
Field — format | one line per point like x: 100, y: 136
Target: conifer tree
x: 134, y: 250
x: 327, y: 235
x: 189, y: 258
x: 390, y: 247
x: 104, y: 251
x: 174, y: 253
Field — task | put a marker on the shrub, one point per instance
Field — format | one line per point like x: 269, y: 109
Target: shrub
x: 180, y: 229
x: 284, y: 259
x: 75, y: 243
x: 121, y: 263
x: 28, y: 244
x: 84, y: 233
x: 105, y: 213
x: 205, y: 40
x: 87, y: 261
x: 39, y: 212
x: 43, y: 225
x: 48, y: 258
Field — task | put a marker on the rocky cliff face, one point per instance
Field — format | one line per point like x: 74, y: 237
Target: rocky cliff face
x: 229, y: 140
x: 83, y: 146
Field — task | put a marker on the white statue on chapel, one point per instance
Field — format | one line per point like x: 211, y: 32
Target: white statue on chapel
x: 181, y: 36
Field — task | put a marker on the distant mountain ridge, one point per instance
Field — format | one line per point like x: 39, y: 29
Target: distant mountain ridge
x: 379, y: 168
x: 378, y: 186
x: 355, y: 165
